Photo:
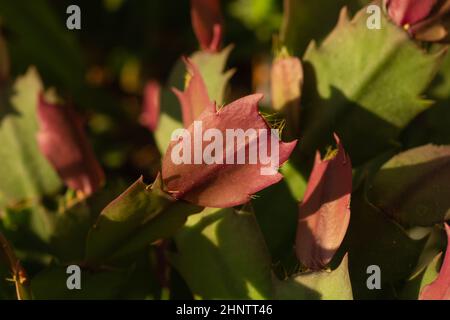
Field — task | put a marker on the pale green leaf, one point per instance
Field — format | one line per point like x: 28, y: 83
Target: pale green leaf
x: 25, y: 172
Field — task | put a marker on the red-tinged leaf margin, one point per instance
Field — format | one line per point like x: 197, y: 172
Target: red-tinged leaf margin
x: 439, y: 289
x: 324, y: 213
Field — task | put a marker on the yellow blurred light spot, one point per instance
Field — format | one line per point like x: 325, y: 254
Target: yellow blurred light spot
x: 112, y: 5
x: 100, y: 123
x: 130, y: 76
x: 187, y: 79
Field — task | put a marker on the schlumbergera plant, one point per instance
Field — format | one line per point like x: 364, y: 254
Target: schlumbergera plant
x: 358, y: 120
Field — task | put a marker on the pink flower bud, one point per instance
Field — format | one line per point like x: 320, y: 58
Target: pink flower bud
x: 409, y: 12
x: 324, y: 213
x: 63, y: 142
x: 151, y: 105
x: 286, y: 82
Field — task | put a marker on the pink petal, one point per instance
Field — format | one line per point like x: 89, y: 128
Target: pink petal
x: 195, y: 97
x: 151, y: 106
x: 63, y: 142
x: 409, y: 12
x: 324, y: 213
x: 223, y: 185
x: 439, y: 289
x: 207, y: 23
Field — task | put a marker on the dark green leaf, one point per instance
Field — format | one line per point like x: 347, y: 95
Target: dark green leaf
x: 374, y: 239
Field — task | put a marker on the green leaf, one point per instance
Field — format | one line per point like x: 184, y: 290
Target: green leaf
x: 135, y: 219
x: 25, y: 172
x: 369, y: 84
x: 413, y: 186
x: 300, y: 24
x: 261, y: 17
x: 221, y: 254
x: 211, y: 66
x: 142, y: 282
x: 69, y: 231
x: 323, y: 285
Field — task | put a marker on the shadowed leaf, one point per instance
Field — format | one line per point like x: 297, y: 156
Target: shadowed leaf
x: 50, y: 284
x: 375, y: 239
x: 413, y: 186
